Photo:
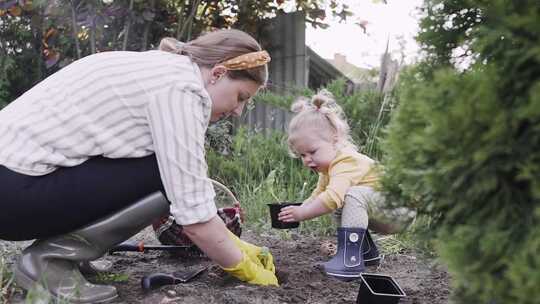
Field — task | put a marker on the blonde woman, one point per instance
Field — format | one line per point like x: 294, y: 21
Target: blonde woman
x: 347, y: 186
x: 100, y: 149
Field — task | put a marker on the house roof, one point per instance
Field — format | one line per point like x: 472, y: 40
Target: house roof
x: 321, y: 71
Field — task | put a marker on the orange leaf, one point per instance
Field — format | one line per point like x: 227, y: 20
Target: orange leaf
x: 15, y: 11
x: 28, y: 6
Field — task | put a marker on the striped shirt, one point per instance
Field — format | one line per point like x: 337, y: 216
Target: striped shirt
x: 118, y: 105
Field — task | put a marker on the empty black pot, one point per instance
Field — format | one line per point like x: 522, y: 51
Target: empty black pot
x: 274, y: 211
x: 378, y: 289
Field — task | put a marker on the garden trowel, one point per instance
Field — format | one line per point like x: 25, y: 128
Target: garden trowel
x: 156, y: 280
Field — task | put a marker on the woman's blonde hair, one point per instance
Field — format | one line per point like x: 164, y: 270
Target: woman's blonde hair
x: 215, y: 47
x: 323, y: 113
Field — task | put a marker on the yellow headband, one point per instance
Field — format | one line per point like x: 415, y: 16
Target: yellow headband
x: 247, y: 61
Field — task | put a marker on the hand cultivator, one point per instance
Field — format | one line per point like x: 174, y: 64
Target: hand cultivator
x: 141, y: 247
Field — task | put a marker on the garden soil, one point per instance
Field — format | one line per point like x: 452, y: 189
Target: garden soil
x: 297, y: 262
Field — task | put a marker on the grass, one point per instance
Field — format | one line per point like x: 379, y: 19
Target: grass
x: 6, y: 282
x: 107, y: 278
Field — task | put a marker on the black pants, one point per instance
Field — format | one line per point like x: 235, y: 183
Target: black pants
x: 34, y: 207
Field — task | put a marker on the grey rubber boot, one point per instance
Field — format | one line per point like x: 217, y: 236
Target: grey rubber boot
x: 53, y: 264
x: 95, y: 267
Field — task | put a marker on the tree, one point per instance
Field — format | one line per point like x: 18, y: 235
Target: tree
x: 463, y: 145
x: 39, y: 37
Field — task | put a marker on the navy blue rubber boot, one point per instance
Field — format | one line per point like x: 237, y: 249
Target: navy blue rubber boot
x: 348, y: 262
x: 370, y: 252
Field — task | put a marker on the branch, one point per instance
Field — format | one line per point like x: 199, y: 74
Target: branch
x: 180, y: 21
x: 93, y: 30
x: 74, y: 27
x: 127, y: 26
x: 189, y: 20
x: 147, y: 26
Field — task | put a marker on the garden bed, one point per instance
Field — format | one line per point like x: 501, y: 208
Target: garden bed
x: 296, y: 259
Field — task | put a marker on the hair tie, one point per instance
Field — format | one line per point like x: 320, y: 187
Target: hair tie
x: 180, y: 47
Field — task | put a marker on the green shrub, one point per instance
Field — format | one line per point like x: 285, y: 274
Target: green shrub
x: 462, y: 145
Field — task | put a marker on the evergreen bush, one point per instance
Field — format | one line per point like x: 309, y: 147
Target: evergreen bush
x: 462, y: 145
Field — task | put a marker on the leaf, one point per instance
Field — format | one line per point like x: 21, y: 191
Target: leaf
x: 318, y: 13
x: 15, y: 11
x: 35, y: 21
x: 5, y: 5
x: 27, y: 6
x: 148, y: 15
x: 51, y: 58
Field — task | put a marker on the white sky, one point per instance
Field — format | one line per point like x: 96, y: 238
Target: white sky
x: 391, y: 20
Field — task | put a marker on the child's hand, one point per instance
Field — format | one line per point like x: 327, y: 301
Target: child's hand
x: 291, y: 214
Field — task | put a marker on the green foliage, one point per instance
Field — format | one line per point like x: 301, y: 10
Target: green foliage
x: 107, y: 278
x: 6, y: 282
x: 218, y: 137
x: 43, y: 36
x: 462, y: 145
x: 283, y: 101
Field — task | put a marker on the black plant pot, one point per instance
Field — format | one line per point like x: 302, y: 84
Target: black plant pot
x: 378, y: 289
x: 275, y: 208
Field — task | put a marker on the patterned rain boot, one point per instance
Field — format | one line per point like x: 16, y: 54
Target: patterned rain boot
x: 348, y: 262
x: 53, y: 264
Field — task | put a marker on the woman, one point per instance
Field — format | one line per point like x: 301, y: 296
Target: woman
x: 95, y: 153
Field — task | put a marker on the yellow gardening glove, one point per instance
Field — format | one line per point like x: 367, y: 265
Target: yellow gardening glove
x: 259, y: 255
x: 249, y: 271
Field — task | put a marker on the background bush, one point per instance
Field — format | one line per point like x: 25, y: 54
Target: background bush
x: 462, y: 145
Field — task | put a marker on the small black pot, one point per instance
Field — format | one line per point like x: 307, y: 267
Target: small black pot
x: 275, y: 208
x: 378, y: 289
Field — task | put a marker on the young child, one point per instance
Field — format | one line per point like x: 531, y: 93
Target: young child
x: 347, y: 186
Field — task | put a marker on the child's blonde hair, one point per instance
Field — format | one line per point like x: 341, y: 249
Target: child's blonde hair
x: 321, y: 112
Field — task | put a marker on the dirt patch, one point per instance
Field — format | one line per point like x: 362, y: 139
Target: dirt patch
x: 297, y: 261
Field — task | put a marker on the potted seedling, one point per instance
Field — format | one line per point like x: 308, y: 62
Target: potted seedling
x: 275, y: 207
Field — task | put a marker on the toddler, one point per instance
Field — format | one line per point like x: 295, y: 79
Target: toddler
x: 347, y: 185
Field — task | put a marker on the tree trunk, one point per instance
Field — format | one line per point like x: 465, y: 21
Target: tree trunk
x: 93, y: 31
x: 74, y: 29
x: 127, y: 26
x: 38, y: 46
x: 180, y: 20
x: 147, y: 26
x: 187, y: 24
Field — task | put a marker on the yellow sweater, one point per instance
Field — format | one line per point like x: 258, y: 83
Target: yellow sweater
x: 349, y: 168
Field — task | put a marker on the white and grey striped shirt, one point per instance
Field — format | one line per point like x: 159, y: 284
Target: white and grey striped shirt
x: 119, y: 105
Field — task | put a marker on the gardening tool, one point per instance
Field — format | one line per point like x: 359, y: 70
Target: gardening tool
x: 156, y: 280
x: 141, y: 247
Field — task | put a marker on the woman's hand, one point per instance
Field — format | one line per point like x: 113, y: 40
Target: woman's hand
x: 249, y: 271
x: 259, y: 255
x: 245, y: 261
x: 292, y: 214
